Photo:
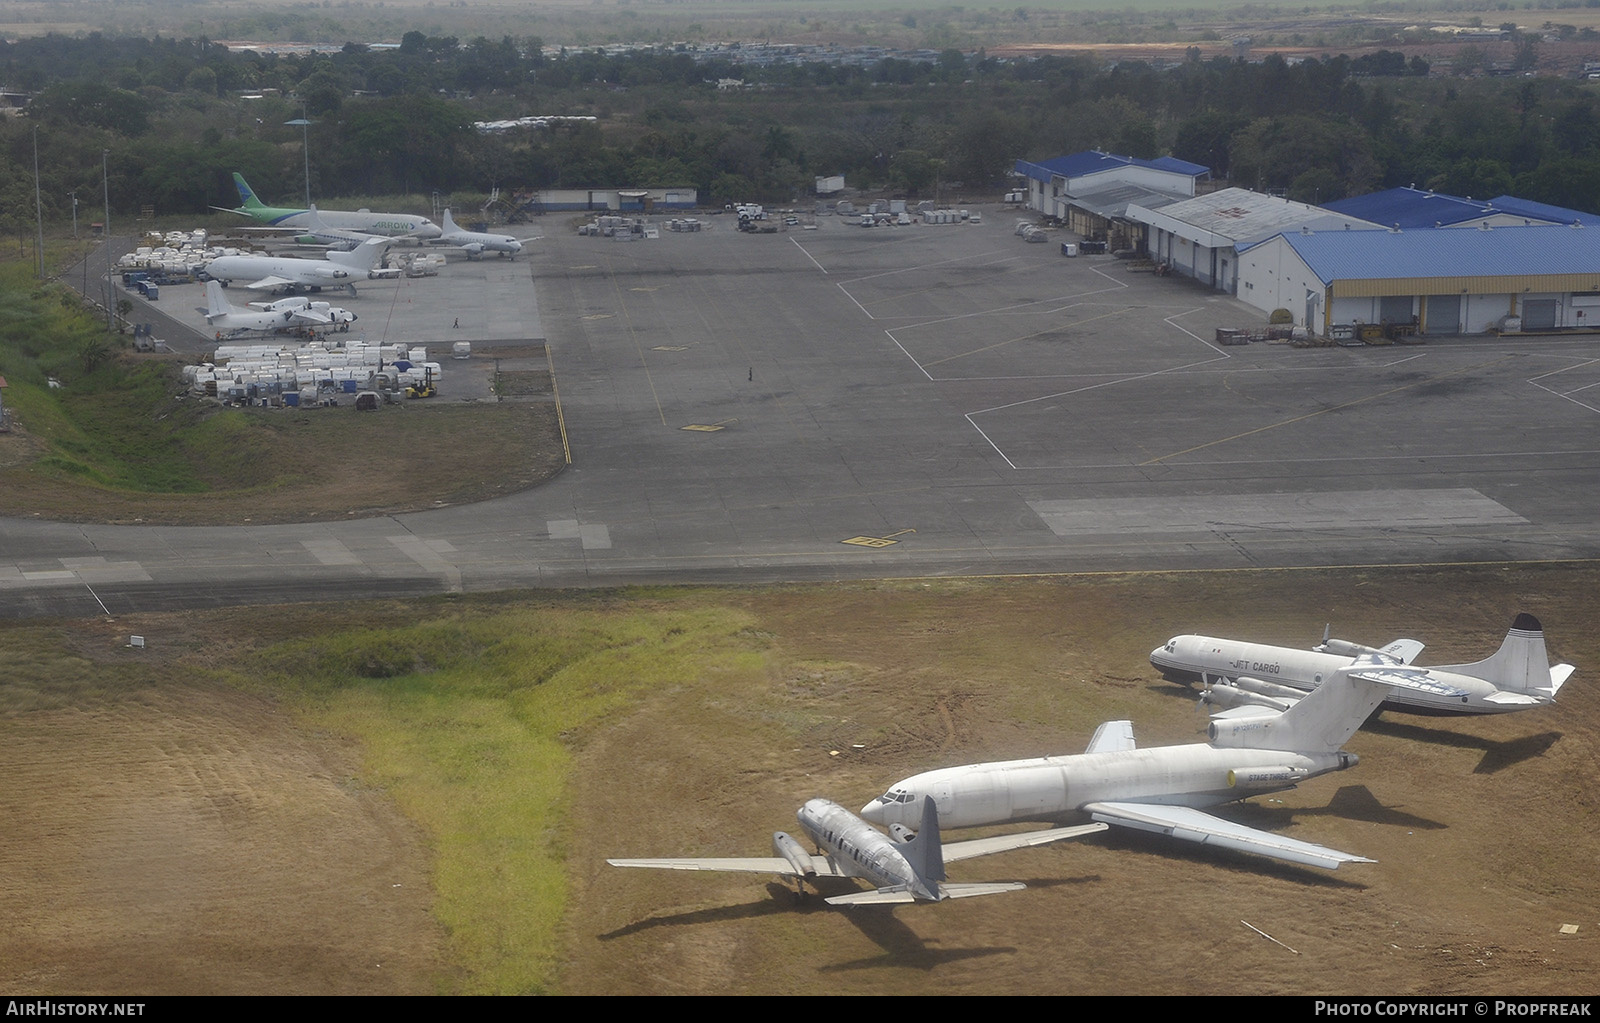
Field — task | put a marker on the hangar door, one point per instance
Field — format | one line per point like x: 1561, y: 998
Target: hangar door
x: 1395, y: 308
x: 1539, y: 314
x: 1444, y: 314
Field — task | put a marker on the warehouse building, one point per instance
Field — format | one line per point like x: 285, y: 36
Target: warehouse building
x: 1470, y: 281
x: 1091, y: 192
x: 1202, y: 237
x: 1412, y: 208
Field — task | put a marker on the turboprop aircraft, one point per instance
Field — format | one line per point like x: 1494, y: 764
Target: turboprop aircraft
x: 315, y: 313
x: 388, y: 224
x: 476, y: 243
x: 289, y: 273
x: 226, y: 319
x: 905, y: 867
x: 1252, y: 750
x: 1517, y: 677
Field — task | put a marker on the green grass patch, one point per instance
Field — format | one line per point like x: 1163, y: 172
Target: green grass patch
x: 469, y: 721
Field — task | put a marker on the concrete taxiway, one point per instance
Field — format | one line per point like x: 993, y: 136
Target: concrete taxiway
x: 930, y: 400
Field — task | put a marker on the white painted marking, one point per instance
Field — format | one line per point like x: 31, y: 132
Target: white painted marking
x: 427, y: 554
x: 1329, y: 510
x: 331, y: 552
x: 592, y: 537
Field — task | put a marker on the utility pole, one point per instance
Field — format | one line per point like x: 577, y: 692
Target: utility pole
x: 110, y: 290
x: 38, y: 203
x: 74, y: 194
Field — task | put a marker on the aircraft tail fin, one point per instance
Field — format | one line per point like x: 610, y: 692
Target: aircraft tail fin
x: 1521, y: 665
x: 925, y: 853
x: 1321, y: 722
x: 216, y: 303
x: 364, y: 257
x: 247, y: 195
x: 449, y: 226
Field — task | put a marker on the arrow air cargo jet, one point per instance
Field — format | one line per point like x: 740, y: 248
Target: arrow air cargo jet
x: 904, y: 867
x: 287, y: 273
x: 1252, y: 750
x: 1518, y: 676
x: 392, y: 225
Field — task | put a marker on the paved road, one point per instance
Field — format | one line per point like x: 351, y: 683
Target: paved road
x: 941, y: 400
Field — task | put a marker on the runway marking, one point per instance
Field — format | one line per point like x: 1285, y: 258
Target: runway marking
x: 708, y: 427
x: 1567, y: 394
x: 331, y: 552
x: 75, y: 570
x: 1298, y: 513
x: 877, y: 541
x: 592, y: 537
x: 670, y: 348
x: 809, y: 256
x: 427, y: 553
x: 1312, y: 415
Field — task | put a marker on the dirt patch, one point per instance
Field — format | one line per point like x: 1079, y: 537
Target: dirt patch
x: 184, y: 840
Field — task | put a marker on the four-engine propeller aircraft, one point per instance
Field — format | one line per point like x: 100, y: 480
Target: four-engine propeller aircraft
x: 388, y: 224
x: 1517, y: 677
x: 1252, y: 750
x: 476, y: 243
x: 289, y: 312
x: 291, y: 273
x: 905, y: 867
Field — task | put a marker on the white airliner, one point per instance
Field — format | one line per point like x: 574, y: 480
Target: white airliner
x: 1517, y: 677
x: 1252, y: 750
x: 288, y: 312
x: 339, y: 238
x: 476, y: 243
x: 340, y: 269
x: 903, y: 867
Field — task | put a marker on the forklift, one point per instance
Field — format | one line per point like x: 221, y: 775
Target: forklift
x: 424, y: 389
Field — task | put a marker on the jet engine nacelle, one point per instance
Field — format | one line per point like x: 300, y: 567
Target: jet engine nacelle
x: 901, y: 833
x: 1345, y: 647
x: 1261, y: 687
x: 473, y: 249
x: 1225, y: 696
x: 1241, y: 731
x: 794, y: 852
x: 1266, y: 778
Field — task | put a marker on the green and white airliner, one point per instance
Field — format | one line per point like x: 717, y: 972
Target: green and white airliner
x: 391, y: 225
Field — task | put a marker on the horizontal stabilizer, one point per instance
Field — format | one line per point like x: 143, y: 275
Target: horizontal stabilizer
x: 1404, y: 650
x: 1192, y: 825
x: 879, y: 897
x: 1112, y: 737
x: 821, y: 865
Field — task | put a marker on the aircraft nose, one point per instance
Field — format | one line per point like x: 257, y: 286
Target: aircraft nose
x: 873, y: 811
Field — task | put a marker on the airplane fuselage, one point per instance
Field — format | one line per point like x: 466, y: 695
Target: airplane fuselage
x: 390, y: 225
x: 1186, y: 658
x: 1057, y: 788
x: 304, y: 272
x: 857, y: 849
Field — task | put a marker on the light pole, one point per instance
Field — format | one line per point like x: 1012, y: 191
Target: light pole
x: 110, y: 290
x: 305, y: 148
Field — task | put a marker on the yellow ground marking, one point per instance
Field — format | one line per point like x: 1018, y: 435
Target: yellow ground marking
x: 708, y: 427
x: 1012, y: 341
x: 877, y: 541
x: 1313, y: 415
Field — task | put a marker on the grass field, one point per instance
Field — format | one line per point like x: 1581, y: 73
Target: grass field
x: 418, y: 796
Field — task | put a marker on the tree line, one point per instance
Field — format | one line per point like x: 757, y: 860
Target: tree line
x: 175, y: 117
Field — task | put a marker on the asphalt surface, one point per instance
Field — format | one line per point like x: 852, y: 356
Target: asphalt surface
x: 894, y: 402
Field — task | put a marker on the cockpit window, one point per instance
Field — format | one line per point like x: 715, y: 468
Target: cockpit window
x: 896, y: 796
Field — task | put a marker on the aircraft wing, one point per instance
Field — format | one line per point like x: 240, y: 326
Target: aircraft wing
x: 740, y: 864
x: 271, y: 281
x: 1112, y: 737
x: 1000, y: 843
x: 1414, y: 679
x: 311, y: 316
x: 1404, y: 650
x: 1192, y: 825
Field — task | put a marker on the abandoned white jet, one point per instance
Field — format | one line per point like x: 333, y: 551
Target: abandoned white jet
x: 289, y: 273
x: 476, y: 243
x: 1517, y: 677
x: 905, y: 867
x: 1252, y: 750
